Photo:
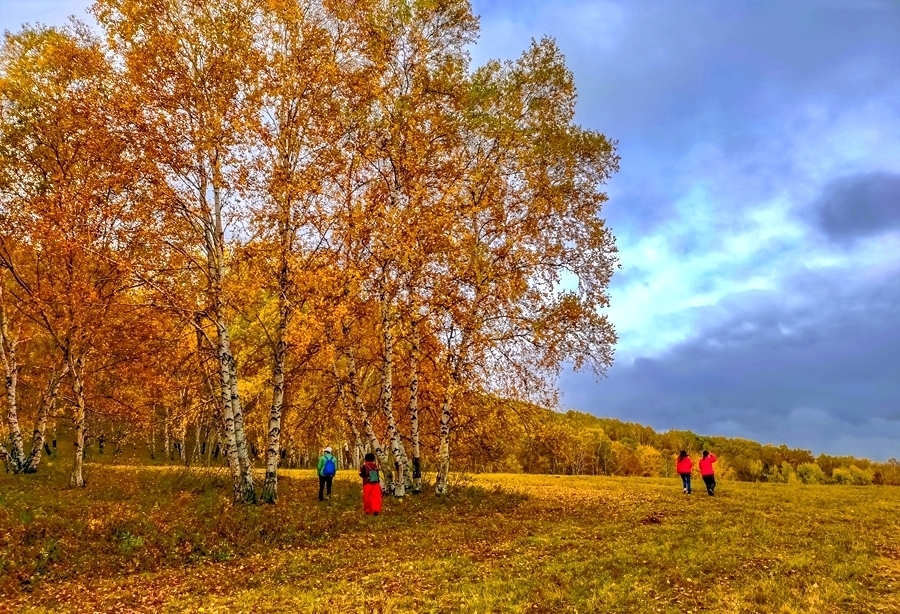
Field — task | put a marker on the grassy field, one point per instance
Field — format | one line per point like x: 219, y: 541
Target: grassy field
x: 157, y: 540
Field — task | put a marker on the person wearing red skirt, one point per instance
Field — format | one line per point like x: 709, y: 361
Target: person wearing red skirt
x: 368, y: 471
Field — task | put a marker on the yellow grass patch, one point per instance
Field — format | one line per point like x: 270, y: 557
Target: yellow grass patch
x: 142, y: 540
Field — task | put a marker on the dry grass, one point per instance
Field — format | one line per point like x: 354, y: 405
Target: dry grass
x: 148, y: 540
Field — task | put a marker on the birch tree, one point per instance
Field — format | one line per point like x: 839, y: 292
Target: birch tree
x: 532, y: 260
x: 195, y: 69
x: 307, y: 94
x: 386, y: 475
x: 404, y: 146
x: 70, y: 191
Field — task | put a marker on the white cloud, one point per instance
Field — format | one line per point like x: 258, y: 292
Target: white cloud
x: 730, y: 230
x: 728, y: 130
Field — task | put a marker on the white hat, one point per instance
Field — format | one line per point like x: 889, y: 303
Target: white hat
x: 328, y: 449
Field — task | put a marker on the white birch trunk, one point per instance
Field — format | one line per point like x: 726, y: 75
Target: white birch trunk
x: 359, y: 446
x: 232, y: 412
x: 180, y: 433
x: 270, y: 488
x: 8, y: 344
x: 182, y: 438
x: 359, y: 449
x: 151, y: 441
x: 48, y: 402
x: 273, y: 450
x: 414, y: 408
x: 229, y: 448
x: 76, y: 370
x: 387, y: 402
x: 407, y: 466
x: 440, y: 485
x: 248, y: 489
x: 167, y: 437
x: 386, y: 474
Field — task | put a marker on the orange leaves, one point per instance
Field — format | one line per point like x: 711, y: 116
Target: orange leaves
x: 219, y: 198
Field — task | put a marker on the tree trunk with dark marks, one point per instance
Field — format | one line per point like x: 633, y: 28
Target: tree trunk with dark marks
x: 387, y: 401
x: 386, y: 474
x: 443, y: 474
x: 359, y: 446
x: 48, y: 402
x: 270, y: 487
x: 10, y: 364
x: 76, y: 372
x: 414, y: 408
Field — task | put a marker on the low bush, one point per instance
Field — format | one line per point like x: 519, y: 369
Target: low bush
x: 811, y: 473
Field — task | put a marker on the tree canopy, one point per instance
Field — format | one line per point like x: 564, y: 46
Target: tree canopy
x: 269, y: 225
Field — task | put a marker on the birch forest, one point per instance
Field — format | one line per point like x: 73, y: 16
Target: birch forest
x: 235, y: 232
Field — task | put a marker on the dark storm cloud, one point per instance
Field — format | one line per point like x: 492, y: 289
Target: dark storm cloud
x: 720, y: 110
x: 707, y: 61
x: 861, y: 205
x: 666, y: 77
x: 820, y: 372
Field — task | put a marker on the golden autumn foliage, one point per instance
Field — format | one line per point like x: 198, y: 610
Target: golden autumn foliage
x: 240, y: 231
x: 235, y: 232
x: 265, y: 225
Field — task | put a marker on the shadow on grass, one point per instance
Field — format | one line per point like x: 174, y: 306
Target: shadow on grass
x: 143, y: 519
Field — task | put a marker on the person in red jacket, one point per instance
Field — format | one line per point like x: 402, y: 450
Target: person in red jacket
x: 706, y: 471
x: 684, y: 466
x: 368, y: 471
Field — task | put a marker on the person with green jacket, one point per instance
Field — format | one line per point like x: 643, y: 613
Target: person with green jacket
x: 327, y: 469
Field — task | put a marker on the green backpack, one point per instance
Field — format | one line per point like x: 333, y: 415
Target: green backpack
x: 373, y: 474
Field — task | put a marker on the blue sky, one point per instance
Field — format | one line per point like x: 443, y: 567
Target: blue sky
x: 757, y: 209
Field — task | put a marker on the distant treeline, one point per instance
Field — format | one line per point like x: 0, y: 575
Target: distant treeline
x: 575, y: 443
x: 497, y: 435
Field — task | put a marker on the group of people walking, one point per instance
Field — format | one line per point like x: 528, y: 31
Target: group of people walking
x: 368, y: 471
x: 371, y: 480
x: 685, y: 466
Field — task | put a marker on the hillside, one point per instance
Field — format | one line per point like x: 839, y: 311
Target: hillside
x: 511, y: 437
x: 536, y: 440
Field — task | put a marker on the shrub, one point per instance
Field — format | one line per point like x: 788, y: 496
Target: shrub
x: 625, y: 461
x: 811, y: 473
x: 860, y: 477
x: 784, y: 475
x: 840, y: 476
x: 755, y: 470
x: 651, y: 461
x: 853, y: 476
x: 790, y: 476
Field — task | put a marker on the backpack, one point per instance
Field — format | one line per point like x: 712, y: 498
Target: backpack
x: 329, y: 469
x: 372, y: 476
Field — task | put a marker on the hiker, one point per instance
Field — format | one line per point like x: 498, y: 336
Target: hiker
x: 368, y: 471
x: 707, y: 473
x: 684, y: 466
x: 327, y: 469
